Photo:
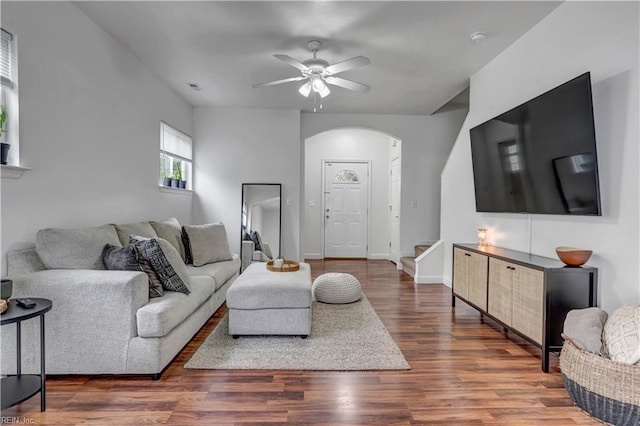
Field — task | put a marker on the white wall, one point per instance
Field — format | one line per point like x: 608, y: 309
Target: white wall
x: 236, y: 146
x: 347, y: 145
x: 426, y: 143
x: 600, y: 37
x: 89, y: 128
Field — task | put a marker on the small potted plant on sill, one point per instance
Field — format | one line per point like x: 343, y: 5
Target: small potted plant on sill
x: 4, y: 147
x: 166, y: 181
x: 177, y: 175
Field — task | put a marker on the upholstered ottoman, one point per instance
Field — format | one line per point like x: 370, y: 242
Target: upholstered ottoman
x: 262, y: 302
x: 336, y: 287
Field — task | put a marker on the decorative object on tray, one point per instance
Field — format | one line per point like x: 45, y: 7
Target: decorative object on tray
x: 5, y: 294
x: 571, y: 256
x: 286, y: 265
x: 6, y: 288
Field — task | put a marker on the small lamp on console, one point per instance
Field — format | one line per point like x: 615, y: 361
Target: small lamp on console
x: 482, y: 237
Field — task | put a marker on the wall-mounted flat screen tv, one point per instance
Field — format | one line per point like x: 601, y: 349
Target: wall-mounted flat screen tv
x: 540, y: 157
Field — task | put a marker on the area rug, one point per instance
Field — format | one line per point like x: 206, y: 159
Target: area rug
x: 343, y: 337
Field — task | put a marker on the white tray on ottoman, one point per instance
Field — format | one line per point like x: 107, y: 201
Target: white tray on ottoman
x: 262, y: 302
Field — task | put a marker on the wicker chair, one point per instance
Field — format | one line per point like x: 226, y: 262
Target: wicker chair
x: 605, y: 389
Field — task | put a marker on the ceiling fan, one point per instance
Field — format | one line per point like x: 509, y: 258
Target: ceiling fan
x: 318, y: 73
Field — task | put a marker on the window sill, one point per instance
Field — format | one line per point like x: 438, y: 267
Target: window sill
x: 172, y: 190
x: 12, y: 172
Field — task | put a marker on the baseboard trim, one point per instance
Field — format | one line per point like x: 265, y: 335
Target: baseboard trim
x: 446, y: 281
x: 313, y: 256
x: 380, y: 256
x: 429, y: 279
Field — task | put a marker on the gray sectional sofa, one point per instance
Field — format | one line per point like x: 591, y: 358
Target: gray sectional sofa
x: 104, y: 321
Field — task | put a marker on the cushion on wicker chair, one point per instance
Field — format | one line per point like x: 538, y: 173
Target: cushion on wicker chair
x: 622, y: 335
x: 584, y: 328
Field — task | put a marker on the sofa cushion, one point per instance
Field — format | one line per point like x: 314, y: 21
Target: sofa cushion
x: 75, y: 248
x: 259, y: 288
x: 219, y: 271
x: 171, y: 231
x: 165, y: 262
x: 584, y: 327
x: 622, y: 335
x: 207, y: 243
x: 142, y: 229
x: 161, y: 315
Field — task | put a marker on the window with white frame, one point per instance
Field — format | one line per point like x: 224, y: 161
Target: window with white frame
x: 9, y: 94
x: 176, y: 157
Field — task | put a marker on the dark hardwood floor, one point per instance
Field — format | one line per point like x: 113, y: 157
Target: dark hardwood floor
x: 464, y: 372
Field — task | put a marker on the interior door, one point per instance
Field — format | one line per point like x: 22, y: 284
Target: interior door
x: 394, y: 211
x: 346, y: 197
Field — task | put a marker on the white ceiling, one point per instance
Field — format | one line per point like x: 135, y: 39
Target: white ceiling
x: 420, y: 51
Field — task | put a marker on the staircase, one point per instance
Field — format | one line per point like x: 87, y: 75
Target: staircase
x: 409, y: 263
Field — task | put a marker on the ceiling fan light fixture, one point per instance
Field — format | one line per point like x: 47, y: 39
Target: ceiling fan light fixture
x: 317, y: 83
x: 324, y: 92
x: 305, y: 89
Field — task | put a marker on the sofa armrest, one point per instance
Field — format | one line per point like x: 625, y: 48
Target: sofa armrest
x: 92, y: 310
x: 259, y: 256
x: 246, y: 254
x: 266, y: 248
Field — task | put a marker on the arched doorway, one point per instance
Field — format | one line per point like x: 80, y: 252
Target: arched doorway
x: 346, y: 147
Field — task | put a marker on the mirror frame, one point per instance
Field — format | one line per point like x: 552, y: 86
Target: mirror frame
x: 242, y: 201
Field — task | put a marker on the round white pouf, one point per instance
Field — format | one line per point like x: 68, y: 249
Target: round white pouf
x: 336, y: 287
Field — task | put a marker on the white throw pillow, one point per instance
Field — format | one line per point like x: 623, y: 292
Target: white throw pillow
x: 207, y: 243
x: 622, y: 335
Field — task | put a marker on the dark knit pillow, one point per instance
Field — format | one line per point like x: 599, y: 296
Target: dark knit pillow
x: 129, y: 259
x: 120, y: 258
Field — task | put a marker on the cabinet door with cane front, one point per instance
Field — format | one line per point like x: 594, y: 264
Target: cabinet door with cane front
x: 477, y: 275
x: 528, y: 300
x: 500, y: 290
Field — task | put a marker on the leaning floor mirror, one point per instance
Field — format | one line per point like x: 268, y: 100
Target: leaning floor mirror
x: 261, y: 222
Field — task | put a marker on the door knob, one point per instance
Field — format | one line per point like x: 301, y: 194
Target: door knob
x: 327, y: 216
x: 327, y: 210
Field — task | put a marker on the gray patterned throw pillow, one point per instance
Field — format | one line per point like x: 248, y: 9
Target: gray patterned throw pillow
x: 153, y: 253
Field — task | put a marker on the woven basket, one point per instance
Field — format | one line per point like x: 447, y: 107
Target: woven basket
x: 605, y: 389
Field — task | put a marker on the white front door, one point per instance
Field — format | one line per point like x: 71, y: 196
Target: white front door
x: 346, y: 197
x: 394, y: 211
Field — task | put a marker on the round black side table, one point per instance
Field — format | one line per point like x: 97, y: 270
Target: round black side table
x: 21, y: 387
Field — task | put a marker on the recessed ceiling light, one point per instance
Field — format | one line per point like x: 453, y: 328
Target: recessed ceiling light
x: 478, y: 36
x: 195, y: 86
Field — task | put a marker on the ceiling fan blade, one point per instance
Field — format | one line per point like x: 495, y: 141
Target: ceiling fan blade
x: 284, y: 80
x: 348, y: 84
x: 358, y: 61
x: 289, y: 60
